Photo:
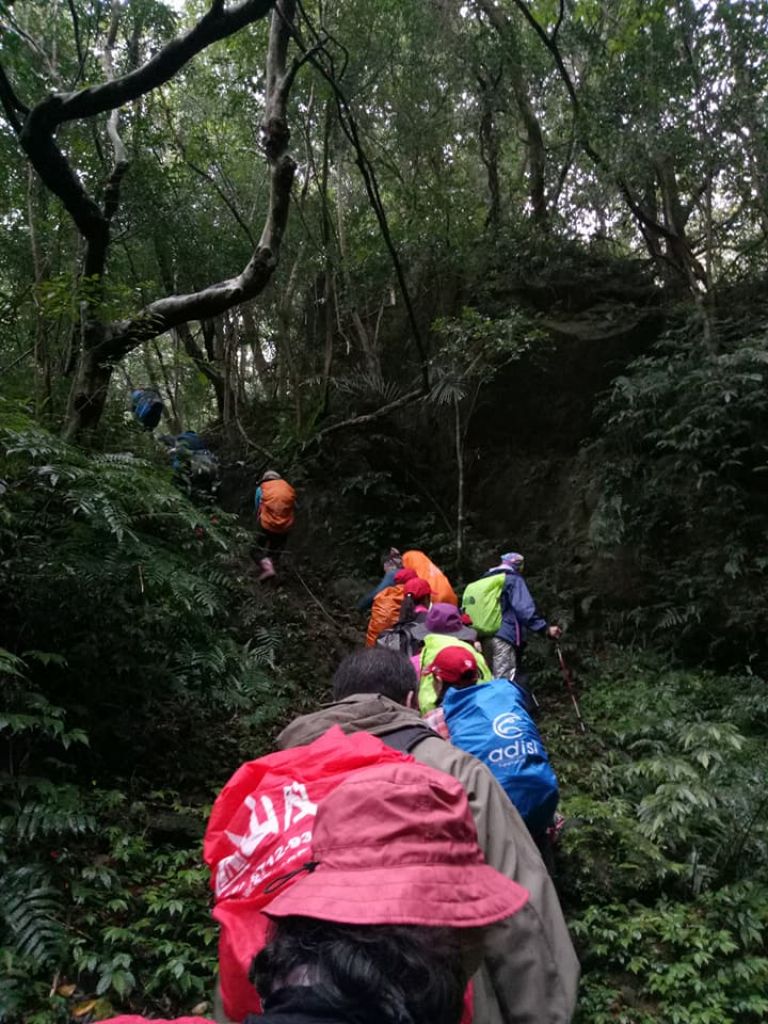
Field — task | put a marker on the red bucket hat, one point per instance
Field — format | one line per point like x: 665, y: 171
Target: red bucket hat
x: 417, y: 588
x: 397, y: 844
x: 455, y: 665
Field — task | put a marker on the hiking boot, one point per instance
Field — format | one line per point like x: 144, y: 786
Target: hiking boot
x: 267, y: 570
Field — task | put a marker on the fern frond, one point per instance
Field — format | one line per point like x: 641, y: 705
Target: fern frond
x: 37, y: 819
x: 30, y: 908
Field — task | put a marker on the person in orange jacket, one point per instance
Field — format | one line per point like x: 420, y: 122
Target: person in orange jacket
x: 418, y: 562
x: 274, y: 504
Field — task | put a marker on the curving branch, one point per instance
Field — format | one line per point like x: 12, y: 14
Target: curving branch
x: 102, y: 344
x: 37, y: 133
x: 174, y: 310
x: 11, y: 103
x: 218, y: 23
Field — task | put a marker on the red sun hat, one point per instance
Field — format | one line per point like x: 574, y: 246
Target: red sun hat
x: 404, y: 575
x: 455, y: 665
x: 397, y: 844
x: 417, y: 588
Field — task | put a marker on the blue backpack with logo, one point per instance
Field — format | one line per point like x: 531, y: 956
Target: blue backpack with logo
x: 491, y: 722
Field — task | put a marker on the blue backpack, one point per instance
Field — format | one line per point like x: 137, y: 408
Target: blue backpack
x: 147, y: 407
x: 491, y: 722
x: 191, y: 439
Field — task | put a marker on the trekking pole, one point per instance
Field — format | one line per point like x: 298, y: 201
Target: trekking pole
x: 569, y: 685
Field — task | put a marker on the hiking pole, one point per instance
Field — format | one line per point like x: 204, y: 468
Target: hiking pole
x: 569, y: 685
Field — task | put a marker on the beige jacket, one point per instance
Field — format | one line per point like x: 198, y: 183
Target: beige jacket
x: 530, y: 973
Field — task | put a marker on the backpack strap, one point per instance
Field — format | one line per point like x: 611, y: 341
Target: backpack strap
x: 408, y: 737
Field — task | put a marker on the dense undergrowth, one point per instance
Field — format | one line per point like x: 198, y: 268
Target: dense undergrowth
x: 664, y: 861
x: 682, y: 459
x: 140, y: 666
x: 137, y: 664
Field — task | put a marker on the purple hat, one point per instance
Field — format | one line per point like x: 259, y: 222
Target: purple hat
x: 446, y: 619
x: 513, y: 559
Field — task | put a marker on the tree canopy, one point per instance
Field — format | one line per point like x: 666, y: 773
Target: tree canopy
x: 475, y: 275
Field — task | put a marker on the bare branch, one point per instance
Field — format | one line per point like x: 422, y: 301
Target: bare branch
x: 350, y: 129
x: 551, y: 45
x: 354, y: 421
x: 173, y: 310
x: 201, y: 173
x: 112, y: 192
x: 559, y: 22
x: 12, y: 26
x: 218, y: 23
x: 81, y: 54
x: 12, y: 105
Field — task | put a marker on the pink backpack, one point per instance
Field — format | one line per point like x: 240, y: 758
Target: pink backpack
x: 260, y: 833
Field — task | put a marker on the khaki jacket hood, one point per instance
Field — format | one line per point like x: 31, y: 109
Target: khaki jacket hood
x: 363, y: 712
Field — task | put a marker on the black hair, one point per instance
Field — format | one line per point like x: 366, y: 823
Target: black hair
x: 375, y: 670
x: 368, y: 974
x: 467, y: 679
x: 407, y: 609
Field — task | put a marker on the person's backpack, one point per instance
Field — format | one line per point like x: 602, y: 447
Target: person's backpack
x: 147, y: 407
x: 491, y: 723
x: 482, y: 603
x: 259, y: 836
x: 276, y: 509
x: 400, y: 638
x: 385, y: 611
x: 442, y: 591
x: 190, y: 439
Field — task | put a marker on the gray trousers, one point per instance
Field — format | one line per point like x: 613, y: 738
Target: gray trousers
x: 503, y: 658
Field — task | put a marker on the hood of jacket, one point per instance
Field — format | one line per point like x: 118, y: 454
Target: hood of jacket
x: 362, y: 712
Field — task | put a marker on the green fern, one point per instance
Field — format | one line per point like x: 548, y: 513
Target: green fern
x: 31, y: 911
x: 37, y: 820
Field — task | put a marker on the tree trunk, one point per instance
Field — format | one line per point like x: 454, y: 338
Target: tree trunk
x: 489, y: 150
x: 43, y: 395
x: 459, y: 488
x: 88, y: 395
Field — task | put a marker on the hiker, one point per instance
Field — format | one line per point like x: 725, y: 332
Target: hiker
x: 382, y: 915
x: 491, y: 723
x: 530, y: 972
x: 442, y: 627
x: 501, y: 607
x: 413, y: 612
x: 417, y: 600
x: 387, y: 604
x: 274, y: 503
x: 195, y: 467
x: 417, y: 561
x: 147, y: 407
x: 373, y: 929
x: 391, y: 563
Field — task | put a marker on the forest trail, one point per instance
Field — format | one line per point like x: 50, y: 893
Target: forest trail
x: 471, y: 274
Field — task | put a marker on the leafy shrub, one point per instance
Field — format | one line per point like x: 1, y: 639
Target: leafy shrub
x: 107, y: 564
x: 150, y: 675
x: 664, y: 861
x: 685, y: 490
